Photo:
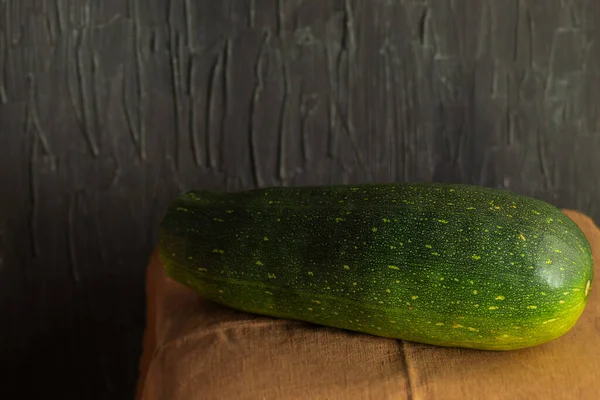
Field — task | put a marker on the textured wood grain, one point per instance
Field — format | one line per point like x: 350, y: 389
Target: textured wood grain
x: 109, y: 109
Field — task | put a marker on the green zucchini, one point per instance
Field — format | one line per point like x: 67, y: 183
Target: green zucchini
x: 443, y: 264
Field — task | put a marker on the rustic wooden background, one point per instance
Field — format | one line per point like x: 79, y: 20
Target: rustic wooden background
x: 108, y: 109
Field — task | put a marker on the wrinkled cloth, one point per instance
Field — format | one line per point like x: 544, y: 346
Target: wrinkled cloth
x: 195, y: 349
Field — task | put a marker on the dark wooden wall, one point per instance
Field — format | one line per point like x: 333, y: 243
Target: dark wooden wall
x: 110, y: 108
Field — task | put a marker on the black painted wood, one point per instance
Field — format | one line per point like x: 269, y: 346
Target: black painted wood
x: 108, y: 109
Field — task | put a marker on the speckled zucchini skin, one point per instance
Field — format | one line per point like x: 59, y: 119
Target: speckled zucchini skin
x: 444, y: 264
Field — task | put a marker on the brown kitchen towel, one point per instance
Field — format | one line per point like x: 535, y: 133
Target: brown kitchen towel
x: 195, y: 349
